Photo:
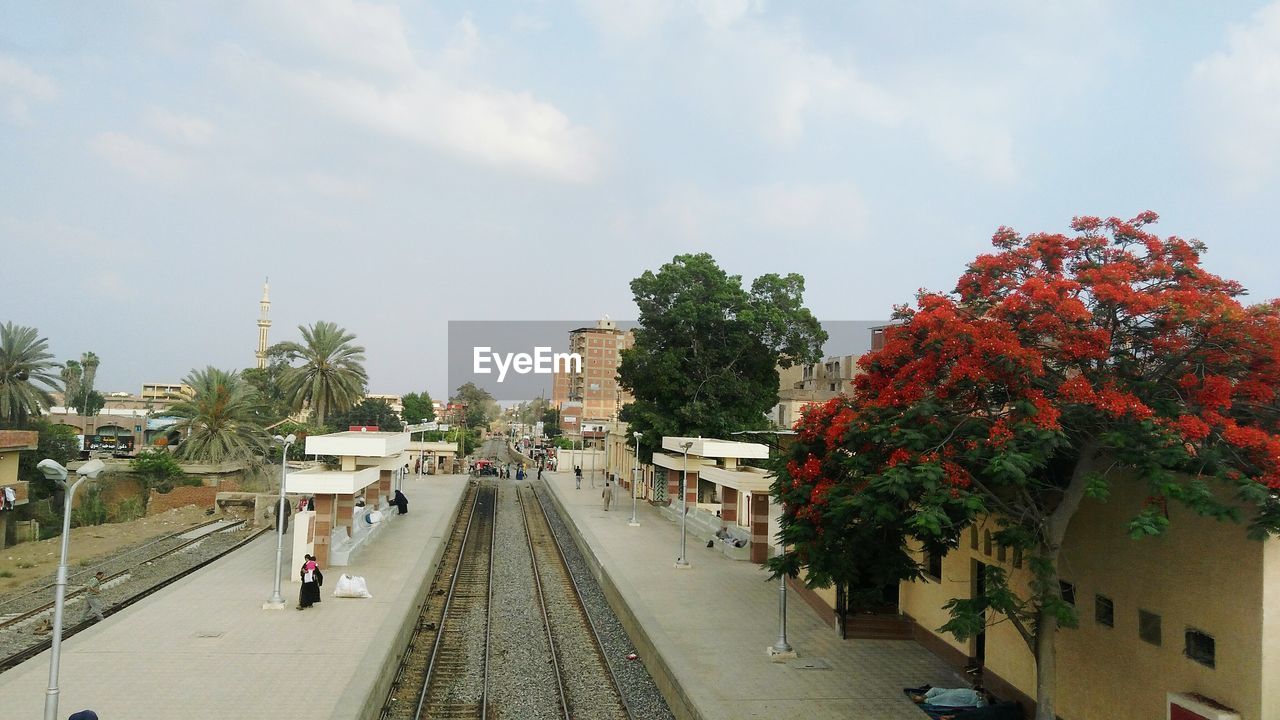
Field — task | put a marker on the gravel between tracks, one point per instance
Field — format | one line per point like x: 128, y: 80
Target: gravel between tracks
x: 633, y: 679
x: 522, y: 684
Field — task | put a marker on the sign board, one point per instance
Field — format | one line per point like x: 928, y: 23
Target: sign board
x: 422, y: 427
x: 362, y: 428
x: 114, y: 443
x: 444, y: 427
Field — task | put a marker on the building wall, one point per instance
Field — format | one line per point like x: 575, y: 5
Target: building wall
x: 1271, y: 631
x: 1201, y: 574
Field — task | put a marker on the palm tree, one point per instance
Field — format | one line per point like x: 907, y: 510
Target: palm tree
x: 331, y: 377
x: 219, y: 420
x: 24, y: 360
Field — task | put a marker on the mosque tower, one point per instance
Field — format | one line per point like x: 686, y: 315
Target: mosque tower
x: 264, y: 324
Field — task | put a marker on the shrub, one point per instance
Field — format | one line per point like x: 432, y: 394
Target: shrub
x: 158, y: 469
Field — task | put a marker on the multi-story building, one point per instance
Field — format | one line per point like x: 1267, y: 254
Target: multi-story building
x: 801, y: 385
x: 165, y: 391
x: 595, y: 383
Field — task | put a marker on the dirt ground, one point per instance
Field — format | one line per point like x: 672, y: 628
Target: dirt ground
x: 26, y: 562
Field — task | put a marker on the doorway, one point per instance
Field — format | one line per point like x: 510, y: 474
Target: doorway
x: 980, y: 589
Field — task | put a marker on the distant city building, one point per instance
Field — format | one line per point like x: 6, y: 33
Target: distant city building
x: 595, y: 384
x: 264, y: 324
x: 802, y: 385
x: 395, y: 401
x: 165, y: 391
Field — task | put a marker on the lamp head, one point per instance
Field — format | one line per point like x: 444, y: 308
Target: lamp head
x: 91, y: 469
x: 52, y: 470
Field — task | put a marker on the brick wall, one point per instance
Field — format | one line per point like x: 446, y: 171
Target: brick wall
x: 201, y: 496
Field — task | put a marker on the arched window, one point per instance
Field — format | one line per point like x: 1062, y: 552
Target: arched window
x: 986, y: 543
x: 973, y: 537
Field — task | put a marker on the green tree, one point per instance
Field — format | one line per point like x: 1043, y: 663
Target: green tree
x: 57, y: 443
x: 550, y: 422
x: 219, y: 422
x: 370, y: 411
x: 480, y: 407
x: 705, y: 356
x: 332, y: 376
x: 157, y: 468
x: 269, y: 384
x: 25, y: 360
x: 418, y: 408
x: 78, y: 378
x: 1059, y: 368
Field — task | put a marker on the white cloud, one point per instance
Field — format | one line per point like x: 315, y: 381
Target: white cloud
x: 20, y: 86
x: 363, y: 70
x: 1235, y: 94
x: 182, y: 129
x: 137, y: 157
x: 53, y: 234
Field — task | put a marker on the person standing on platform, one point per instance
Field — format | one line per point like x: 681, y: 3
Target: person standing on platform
x: 607, y: 494
x: 402, y: 503
x: 93, y: 596
x: 9, y: 497
x: 539, y: 471
x: 311, y: 580
x: 577, y: 477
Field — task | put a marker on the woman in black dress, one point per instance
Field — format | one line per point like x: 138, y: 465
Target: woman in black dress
x: 312, y: 579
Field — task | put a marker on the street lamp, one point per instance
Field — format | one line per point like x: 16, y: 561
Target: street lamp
x: 635, y: 475
x: 781, y: 646
x: 277, y: 600
x: 52, y: 470
x: 682, y: 562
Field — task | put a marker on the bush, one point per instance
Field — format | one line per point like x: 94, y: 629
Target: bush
x: 92, y: 510
x: 158, y: 469
x: 130, y: 509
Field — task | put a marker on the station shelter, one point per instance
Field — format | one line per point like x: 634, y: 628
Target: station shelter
x: 351, y: 501
x: 727, y: 500
x: 433, y: 457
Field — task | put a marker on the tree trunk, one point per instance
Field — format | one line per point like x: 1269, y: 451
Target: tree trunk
x: 1046, y: 662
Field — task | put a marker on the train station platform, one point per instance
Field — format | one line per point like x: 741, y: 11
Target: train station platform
x: 703, y: 632
x: 203, y: 647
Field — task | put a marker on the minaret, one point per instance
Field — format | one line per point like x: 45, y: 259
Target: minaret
x: 264, y: 324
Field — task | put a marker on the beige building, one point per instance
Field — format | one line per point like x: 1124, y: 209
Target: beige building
x: 802, y: 385
x: 595, y: 383
x: 1195, y: 611
x: 12, y: 442
x: 169, y: 392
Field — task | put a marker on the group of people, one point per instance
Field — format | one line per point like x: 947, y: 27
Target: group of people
x: 312, y: 579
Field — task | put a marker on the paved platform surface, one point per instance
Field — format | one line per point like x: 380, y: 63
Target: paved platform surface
x: 204, y: 647
x: 711, y: 625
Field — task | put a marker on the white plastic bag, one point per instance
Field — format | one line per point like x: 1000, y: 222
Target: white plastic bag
x: 351, y: 586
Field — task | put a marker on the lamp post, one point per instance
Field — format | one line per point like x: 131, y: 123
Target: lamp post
x: 635, y: 476
x: 781, y: 646
x: 54, y: 471
x: 682, y: 562
x: 277, y: 600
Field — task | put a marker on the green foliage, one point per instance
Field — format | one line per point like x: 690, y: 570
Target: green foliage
x: 370, y: 411
x: 418, y: 408
x: 480, y: 407
x: 550, y: 422
x: 705, y: 357
x: 273, y: 402
x: 57, y: 443
x: 220, y: 421
x: 564, y: 443
x: 92, y: 510
x: 157, y: 469
x: 332, y: 376
x: 128, y: 509
x: 25, y: 360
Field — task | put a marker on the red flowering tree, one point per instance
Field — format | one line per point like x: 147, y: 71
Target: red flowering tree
x: 1059, y: 365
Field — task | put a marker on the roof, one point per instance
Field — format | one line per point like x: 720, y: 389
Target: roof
x: 712, y: 448
x: 19, y: 439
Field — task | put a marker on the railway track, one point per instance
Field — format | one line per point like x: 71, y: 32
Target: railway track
x: 587, y: 686
x: 447, y: 671
x: 38, y: 645
x: 443, y: 671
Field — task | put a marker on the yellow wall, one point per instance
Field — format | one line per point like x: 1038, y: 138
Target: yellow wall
x: 8, y: 467
x: 1201, y: 574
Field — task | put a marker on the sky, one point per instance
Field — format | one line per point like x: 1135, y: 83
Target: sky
x: 392, y: 167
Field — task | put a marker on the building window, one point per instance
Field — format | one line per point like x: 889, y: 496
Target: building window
x: 973, y: 537
x: 1149, y: 627
x: 1017, y: 558
x: 1001, y: 552
x: 1104, y: 611
x: 1068, y: 591
x: 933, y: 566
x: 986, y: 543
x: 1200, y: 647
